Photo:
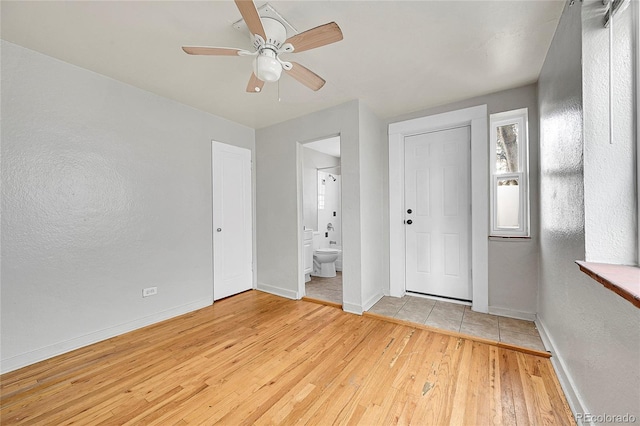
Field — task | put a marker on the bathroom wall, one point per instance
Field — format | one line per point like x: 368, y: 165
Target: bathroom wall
x: 513, y: 265
x: 279, y: 201
x: 331, y: 213
x: 312, y: 161
x: 593, y: 331
x: 279, y: 198
x: 106, y: 190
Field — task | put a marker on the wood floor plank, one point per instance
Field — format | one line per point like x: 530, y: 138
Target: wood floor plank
x: 260, y: 359
x: 439, y: 383
x: 495, y: 389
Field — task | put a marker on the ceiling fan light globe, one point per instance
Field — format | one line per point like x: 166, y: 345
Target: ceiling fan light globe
x: 267, y: 68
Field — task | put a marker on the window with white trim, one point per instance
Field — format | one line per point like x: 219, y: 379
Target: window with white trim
x: 509, y: 158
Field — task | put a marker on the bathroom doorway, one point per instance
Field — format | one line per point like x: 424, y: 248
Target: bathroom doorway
x: 322, y: 219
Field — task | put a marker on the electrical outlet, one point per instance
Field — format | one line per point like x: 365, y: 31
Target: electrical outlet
x: 149, y: 291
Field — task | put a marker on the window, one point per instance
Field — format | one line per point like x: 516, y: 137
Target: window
x: 509, y: 174
x: 321, y: 190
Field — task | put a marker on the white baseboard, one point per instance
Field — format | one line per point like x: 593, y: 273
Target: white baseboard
x: 352, y: 308
x: 573, y: 398
x: 31, y: 357
x: 278, y: 291
x: 394, y: 292
x: 372, y: 301
x: 504, y: 312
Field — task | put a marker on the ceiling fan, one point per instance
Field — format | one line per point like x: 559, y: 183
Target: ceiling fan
x: 269, y: 41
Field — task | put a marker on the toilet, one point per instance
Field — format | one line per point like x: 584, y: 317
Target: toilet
x: 324, y: 262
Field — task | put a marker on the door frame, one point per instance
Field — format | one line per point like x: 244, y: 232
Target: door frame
x: 300, y: 202
x: 475, y: 117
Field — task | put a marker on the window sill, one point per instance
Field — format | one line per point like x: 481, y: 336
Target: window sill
x: 514, y: 238
x: 622, y: 280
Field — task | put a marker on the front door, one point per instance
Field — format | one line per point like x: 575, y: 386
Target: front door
x: 232, y: 220
x: 437, y: 213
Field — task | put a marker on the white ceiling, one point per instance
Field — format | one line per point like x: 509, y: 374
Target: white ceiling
x: 396, y: 56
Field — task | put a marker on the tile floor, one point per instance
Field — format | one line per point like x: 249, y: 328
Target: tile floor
x: 329, y: 289
x: 438, y: 314
x: 460, y: 318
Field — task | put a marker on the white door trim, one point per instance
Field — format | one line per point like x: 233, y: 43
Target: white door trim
x: 300, y: 191
x: 476, y: 117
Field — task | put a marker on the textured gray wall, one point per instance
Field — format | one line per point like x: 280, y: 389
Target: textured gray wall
x: 609, y: 168
x: 593, y: 330
x: 106, y: 190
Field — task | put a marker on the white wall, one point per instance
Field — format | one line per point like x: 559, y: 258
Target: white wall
x: 593, y: 331
x: 279, y: 210
x: 609, y: 168
x: 312, y: 161
x: 373, y: 175
x: 106, y: 189
x: 513, y: 265
x: 278, y: 197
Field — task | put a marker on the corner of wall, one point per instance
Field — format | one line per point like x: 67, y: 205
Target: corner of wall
x: 368, y: 304
x: 566, y: 382
x: 352, y: 308
x: 50, y: 351
x: 512, y: 313
x: 278, y: 291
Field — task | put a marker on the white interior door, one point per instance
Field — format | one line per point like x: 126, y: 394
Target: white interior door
x: 437, y: 213
x: 232, y: 220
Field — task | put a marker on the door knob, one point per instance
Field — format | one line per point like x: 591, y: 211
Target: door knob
x: 409, y: 222
x: 409, y: 211
x: 219, y: 230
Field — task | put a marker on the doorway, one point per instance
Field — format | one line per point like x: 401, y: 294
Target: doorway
x: 232, y: 220
x: 477, y: 119
x: 437, y: 213
x: 322, y: 219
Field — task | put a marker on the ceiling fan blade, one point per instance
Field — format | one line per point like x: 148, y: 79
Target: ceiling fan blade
x: 204, y: 50
x: 305, y: 76
x: 255, y: 84
x: 316, y: 37
x: 250, y: 15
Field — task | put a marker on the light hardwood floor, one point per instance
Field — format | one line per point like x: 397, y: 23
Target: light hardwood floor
x: 260, y: 359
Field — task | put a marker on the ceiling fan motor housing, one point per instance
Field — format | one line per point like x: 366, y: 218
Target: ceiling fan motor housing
x: 274, y: 30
